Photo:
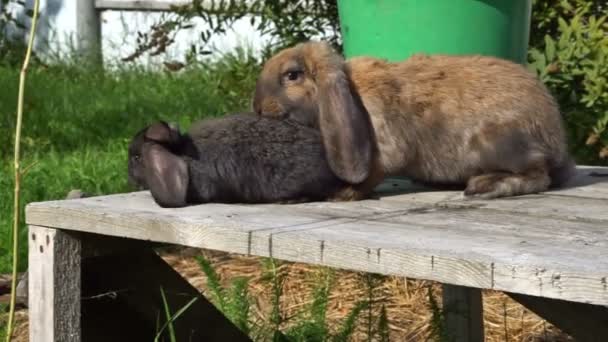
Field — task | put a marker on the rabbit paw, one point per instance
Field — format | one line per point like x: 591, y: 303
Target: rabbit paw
x: 347, y: 194
x: 487, y: 186
x: 503, y: 184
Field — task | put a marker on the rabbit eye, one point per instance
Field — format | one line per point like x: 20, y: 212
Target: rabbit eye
x: 293, y: 75
x: 136, y: 157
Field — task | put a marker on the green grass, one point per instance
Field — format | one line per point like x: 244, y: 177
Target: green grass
x: 78, y: 122
x: 309, y: 325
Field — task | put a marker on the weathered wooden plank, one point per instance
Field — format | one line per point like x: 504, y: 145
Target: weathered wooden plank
x: 217, y: 226
x: 22, y: 287
x: 550, y: 206
x: 233, y: 227
x: 537, y: 244
x: 54, y: 285
x: 589, y: 182
x: 142, y: 5
x: 501, y: 251
x: 96, y: 245
x: 586, y: 323
x: 139, y: 5
x: 464, y: 245
x: 463, y: 312
x: 584, y: 198
x: 429, y: 256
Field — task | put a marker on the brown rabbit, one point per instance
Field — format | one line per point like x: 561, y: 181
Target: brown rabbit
x: 481, y: 122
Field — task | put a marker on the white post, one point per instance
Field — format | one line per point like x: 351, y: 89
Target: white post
x: 88, y: 30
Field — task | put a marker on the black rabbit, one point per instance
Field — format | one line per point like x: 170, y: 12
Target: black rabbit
x: 238, y: 158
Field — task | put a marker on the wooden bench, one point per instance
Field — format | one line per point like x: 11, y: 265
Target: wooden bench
x: 92, y: 271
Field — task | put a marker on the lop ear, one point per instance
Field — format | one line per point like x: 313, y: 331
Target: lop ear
x: 163, y: 132
x: 166, y: 175
x: 346, y: 127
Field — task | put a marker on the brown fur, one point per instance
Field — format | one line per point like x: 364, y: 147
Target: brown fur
x: 362, y: 190
x: 480, y: 121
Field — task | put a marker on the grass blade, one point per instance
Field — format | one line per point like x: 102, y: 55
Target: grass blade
x: 170, y: 319
x: 213, y: 281
x: 348, y: 326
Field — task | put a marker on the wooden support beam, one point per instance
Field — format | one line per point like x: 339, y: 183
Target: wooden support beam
x: 106, y: 296
x: 53, y: 285
x: 584, y: 322
x: 130, y: 283
x: 143, y: 5
x: 138, y: 5
x: 463, y: 312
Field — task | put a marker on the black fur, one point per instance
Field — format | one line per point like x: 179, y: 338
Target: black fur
x: 239, y: 158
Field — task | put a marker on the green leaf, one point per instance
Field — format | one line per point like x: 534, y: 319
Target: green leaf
x: 171, y: 319
x: 167, y: 317
x: 213, y: 282
x: 563, y: 25
x: 566, y: 5
x: 383, y: 328
x: 238, y: 304
x: 549, y: 48
x: 348, y: 325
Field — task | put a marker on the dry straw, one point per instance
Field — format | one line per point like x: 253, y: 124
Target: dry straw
x: 18, y: 172
x: 406, y: 300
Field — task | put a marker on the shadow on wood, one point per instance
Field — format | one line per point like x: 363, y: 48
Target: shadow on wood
x: 122, y: 301
x: 584, y: 322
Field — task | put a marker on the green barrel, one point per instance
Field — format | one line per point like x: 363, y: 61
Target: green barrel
x: 396, y: 29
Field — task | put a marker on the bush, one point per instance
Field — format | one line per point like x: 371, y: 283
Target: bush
x: 569, y: 52
x: 13, y: 15
x: 286, y: 22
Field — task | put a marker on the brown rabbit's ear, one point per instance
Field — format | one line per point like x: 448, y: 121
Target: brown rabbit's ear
x: 346, y: 127
x: 166, y: 176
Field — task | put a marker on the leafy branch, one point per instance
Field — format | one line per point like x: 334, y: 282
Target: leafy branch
x: 285, y: 22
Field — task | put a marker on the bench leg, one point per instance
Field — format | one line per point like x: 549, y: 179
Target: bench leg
x: 463, y: 312
x: 129, y: 284
x: 584, y: 322
x: 54, y: 285
x: 88, y: 287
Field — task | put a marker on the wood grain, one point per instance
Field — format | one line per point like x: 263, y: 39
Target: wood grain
x: 53, y: 285
x: 548, y: 245
x: 138, y: 5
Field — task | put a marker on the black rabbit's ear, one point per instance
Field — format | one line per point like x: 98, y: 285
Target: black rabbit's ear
x: 346, y: 128
x: 163, y: 132
x: 166, y: 175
